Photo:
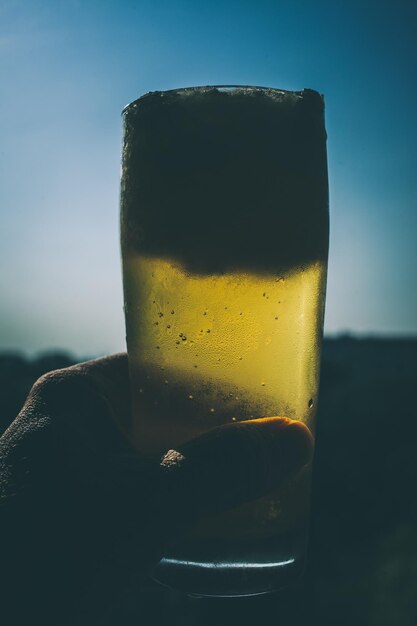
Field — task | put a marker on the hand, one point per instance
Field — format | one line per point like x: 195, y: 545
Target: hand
x: 84, y: 515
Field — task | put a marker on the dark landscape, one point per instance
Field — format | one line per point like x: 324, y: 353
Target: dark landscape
x: 362, y: 567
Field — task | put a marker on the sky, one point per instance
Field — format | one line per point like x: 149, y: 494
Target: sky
x: 68, y: 68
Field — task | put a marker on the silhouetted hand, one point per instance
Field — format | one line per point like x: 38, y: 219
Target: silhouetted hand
x: 84, y: 515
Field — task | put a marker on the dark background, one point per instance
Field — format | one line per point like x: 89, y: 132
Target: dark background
x: 362, y: 567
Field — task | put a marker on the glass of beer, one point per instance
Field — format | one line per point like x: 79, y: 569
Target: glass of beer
x: 224, y: 231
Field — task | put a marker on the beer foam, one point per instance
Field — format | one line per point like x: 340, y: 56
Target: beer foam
x: 226, y: 178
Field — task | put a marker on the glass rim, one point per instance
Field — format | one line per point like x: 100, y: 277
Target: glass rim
x: 221, y: 88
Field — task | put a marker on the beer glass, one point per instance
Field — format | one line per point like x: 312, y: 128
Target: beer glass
x: 224, y: 231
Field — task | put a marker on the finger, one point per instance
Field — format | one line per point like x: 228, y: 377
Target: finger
x: 230, y: 465
x: 108, y: 375
x: 92, y: 397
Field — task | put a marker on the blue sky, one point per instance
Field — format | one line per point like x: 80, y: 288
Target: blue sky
x: 68, y: 68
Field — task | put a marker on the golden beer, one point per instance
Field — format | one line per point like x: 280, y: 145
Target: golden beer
x: 224, y: 228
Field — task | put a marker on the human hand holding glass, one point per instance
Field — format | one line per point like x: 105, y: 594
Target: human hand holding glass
x: 85, y: 516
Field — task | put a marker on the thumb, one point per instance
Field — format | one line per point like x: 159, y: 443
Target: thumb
x: 230, y: 465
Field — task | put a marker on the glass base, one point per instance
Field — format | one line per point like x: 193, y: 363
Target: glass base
x: 229, y: 569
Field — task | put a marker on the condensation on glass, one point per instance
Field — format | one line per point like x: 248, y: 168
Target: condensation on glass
x: 224, y: 230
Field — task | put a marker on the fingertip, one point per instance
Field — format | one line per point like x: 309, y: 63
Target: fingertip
x: 296, y: 446
x: 288, y: 442
x: 275, y: 424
